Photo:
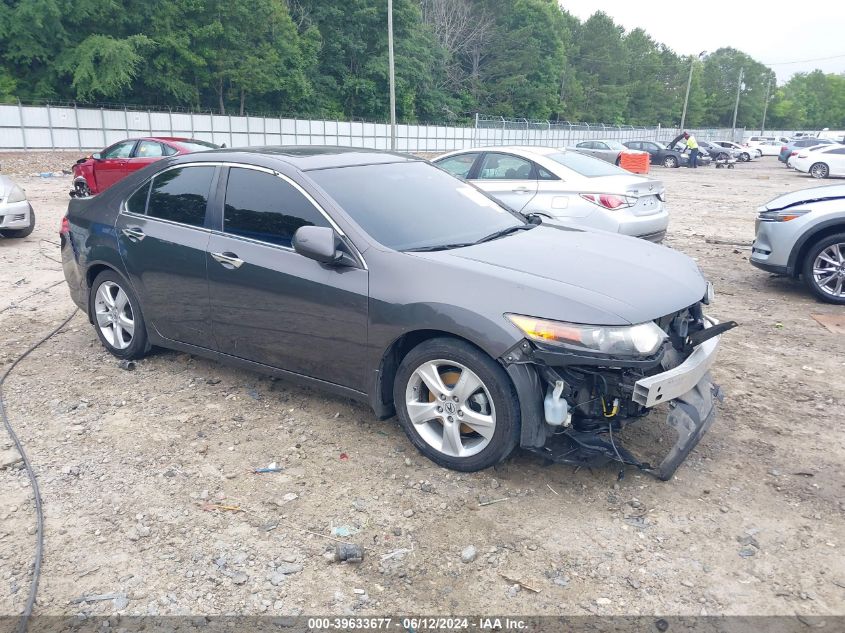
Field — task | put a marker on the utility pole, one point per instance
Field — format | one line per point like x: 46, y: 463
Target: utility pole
x: 689, y: 85
x: 392, y: 74
x: 736, y: 105
x: 765, y: 107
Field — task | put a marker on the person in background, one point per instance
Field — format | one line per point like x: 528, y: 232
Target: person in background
x: 692, y: 146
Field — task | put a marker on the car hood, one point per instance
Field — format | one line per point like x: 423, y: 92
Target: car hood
x: 580, y: 276
x: 804, y: 196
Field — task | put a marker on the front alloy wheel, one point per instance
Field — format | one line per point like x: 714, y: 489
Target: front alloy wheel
x: 456, y: 404
x: 824, y: 269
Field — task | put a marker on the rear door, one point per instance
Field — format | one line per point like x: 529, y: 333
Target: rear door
x: 163, y: 238
x: 270, y: 304
x: 510, y: 179
x: 112, y: 164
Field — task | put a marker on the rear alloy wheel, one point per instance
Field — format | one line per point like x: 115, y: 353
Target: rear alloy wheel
x: 670, y: 161
x: 819, y: 170
x: 457, y: 405
x: 117, y: 317
x: 824, y: 269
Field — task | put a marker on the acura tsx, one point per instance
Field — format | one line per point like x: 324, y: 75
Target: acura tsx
x: 383, y: 278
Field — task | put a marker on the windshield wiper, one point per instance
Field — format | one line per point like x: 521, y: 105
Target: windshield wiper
x: 437, y: 247
x: 507, y: 231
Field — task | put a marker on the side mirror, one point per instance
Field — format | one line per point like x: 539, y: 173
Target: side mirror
x: 321, y: 244
x: 97, y: 156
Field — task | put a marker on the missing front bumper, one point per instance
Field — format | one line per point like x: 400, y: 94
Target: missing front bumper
x: 690, y: 416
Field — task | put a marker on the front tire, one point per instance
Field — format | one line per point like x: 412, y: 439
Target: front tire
x: 745, y: 157
x: 20, y: 233
x: 819, y: 170
x: 116, y: 314
x: 824, y: 269
x: 671, y: 162
x: 457, y: 405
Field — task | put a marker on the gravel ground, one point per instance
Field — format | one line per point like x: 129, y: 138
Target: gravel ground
x: 149, y: 492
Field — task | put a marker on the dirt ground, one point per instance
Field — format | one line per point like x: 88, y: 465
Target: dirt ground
x: 139, y: 469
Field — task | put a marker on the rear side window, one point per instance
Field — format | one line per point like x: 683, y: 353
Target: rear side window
x: 181, y: 195
x: 149, y: 149
x: 458, y: 165
x: 137, y: 202
x: 263, y: 207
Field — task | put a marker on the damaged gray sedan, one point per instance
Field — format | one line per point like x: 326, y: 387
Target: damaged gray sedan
x: 380, y: 277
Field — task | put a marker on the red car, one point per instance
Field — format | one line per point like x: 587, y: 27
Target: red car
x: 96, y: 173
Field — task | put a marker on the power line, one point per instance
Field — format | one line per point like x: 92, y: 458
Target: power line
x: 803, y: 61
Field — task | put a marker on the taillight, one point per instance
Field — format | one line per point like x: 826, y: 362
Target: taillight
x: 793, y: 154
x: 65, y: 228
x: 606, y: 200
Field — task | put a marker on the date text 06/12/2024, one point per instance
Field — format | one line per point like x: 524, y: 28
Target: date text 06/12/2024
x: 417, y: 624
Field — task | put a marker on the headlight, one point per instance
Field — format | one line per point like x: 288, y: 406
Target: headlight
x: 783, y: 215
x: 633, y: 340
x: 16, y: 195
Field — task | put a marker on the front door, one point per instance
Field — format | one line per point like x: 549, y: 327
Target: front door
x: 111, y: 166
x: 163, y: 239
x: 508, y: 178
x: 273, y: 306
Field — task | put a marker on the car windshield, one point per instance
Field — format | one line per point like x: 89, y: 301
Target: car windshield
x: 198, y: 146
x: 414, y: 205
x: 585, y: 165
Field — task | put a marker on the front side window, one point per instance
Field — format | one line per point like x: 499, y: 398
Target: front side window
x: 181, y: 195
x: 415, y: 204
x: 263, y: 207
x: 119, y: 150
x: 149, y: 149
x: 458, y: 165
x: 504, y: 167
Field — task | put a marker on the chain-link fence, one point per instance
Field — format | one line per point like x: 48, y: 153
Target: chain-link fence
x: 68, y: 126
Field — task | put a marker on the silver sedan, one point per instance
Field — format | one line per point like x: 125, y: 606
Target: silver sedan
x: 17, y: 219
x: 565, y: 186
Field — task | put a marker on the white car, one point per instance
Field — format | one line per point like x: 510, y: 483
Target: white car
x: 746, y: 153
x: 803, y: 150
x: 565, y: 186
x: 17, y: 219
x: 824, y: 161
x: 768, y: 148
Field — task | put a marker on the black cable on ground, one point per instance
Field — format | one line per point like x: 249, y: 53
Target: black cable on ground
x: 39, y: 513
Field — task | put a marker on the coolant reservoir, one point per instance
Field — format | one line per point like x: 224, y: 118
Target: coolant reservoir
x: 556, y: 407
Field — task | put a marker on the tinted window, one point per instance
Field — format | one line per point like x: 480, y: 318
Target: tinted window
x: 586, y: 165
x: 137, y: 202
x: 458, y: 165
x: 840, y: 150
x: 413, y: 204
x: 504, y: 167
x: 169, y: 151
x: 263, y: 207
x: 119, y: 150
x: 181, y: 195
x: 149, y: 149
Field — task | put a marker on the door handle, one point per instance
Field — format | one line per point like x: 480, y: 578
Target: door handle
x: 228, y: 259
x: 133, y: 234
x: 520, y: 190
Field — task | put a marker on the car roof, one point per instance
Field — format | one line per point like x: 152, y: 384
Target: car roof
x: 308, y: 157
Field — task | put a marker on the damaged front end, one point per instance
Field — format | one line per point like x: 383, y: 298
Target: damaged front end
x: 591, y: 382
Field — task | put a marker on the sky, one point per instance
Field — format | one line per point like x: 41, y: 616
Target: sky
x: 764, y: 30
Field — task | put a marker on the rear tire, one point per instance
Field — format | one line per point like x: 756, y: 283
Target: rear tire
x: 824, y: 269
x: 20, y: 233
x: 819, y: 170
x: 671, y: 162
x: 116, y: 313
x: 457, y: 405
